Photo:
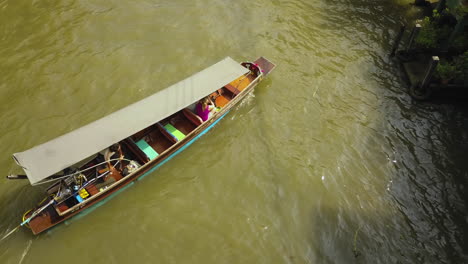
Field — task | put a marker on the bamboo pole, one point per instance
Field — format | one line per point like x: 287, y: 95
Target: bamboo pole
x: 414, y: 34
x: 430, y: 72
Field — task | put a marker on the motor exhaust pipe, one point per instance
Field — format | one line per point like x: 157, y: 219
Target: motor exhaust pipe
x: 16, y: 177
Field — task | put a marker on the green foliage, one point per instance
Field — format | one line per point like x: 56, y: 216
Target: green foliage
x: 457, y: 69
x: 461, y: 65
x: 428, y: 36
x: 462, y: 60
x: 461, y: 10
x: 434, y: 31
x: 460, y: 42
x: 435, y: 14
x: 446, y: 71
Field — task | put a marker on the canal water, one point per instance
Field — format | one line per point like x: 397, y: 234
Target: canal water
x: 328, y: 161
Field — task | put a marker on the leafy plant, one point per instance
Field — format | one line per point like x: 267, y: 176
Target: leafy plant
x: 460, y: 42
x: 446, y: 71
x: 462, y: 9
x: 461, y: 65
x: 428, y: 36
x: 435, y: 29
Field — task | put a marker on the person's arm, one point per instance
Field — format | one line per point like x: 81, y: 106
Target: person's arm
x: 211, y: 106
x: 107, y: 157
x: 121, y: 156
x: 211, y: 102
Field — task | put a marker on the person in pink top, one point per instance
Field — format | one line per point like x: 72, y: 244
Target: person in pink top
x: 205, y: 108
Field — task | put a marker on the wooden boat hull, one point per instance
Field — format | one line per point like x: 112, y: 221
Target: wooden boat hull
x: 50, y: 216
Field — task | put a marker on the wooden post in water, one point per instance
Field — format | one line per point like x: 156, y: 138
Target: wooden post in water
x: 397, y: 40
x: 414, y: 34
x: 429, y: 72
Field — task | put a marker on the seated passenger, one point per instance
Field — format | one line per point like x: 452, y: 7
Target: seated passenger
x: 205, y: 108
x: 111, y: 153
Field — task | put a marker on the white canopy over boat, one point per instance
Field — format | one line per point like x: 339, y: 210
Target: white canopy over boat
x: 55, y: 155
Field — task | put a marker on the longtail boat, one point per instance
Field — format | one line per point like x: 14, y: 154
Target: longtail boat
x: 148, y: 133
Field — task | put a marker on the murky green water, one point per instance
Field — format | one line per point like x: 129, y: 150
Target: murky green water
x: 328, y: 157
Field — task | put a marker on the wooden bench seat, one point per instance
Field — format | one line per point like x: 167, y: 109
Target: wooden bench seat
x: 147, y: 149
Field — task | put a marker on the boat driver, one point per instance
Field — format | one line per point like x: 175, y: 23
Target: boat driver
x: 112, y: 152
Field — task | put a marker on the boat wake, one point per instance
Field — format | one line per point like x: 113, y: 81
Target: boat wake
x: 25, y: 252
x: 9, y: 233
